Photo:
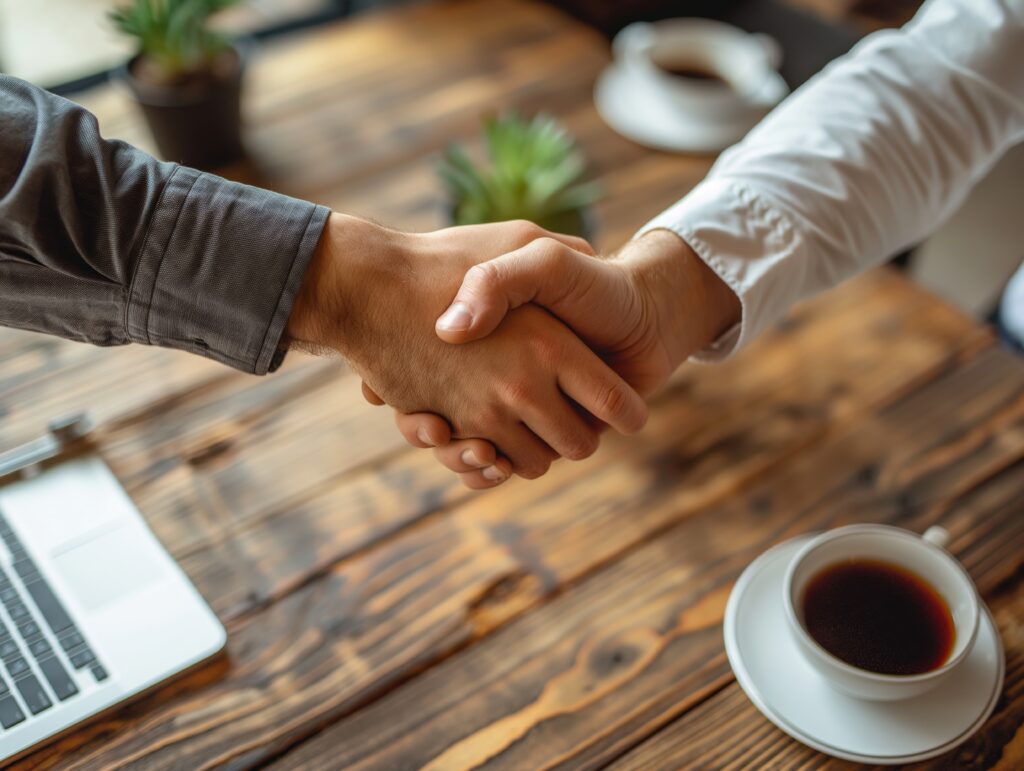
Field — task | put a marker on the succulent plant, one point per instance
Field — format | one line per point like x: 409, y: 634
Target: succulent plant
x: 535, y: 173
x: 173, y: 34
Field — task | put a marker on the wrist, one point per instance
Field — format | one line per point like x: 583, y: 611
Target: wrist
x: 331, y: 304
x: 690, y: 303
x: 307, y: 323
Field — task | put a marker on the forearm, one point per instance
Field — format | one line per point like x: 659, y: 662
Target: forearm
x: 865, y: 160
x: 101, y: 243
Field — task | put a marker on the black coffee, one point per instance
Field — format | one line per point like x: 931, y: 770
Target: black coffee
x: 691, y: 71
x: 879, y: 617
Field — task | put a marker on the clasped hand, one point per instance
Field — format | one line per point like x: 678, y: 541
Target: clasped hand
x: 543, y: 347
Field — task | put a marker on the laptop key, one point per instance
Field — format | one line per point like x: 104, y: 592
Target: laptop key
x: 58, y: 678
x: 25, y: 568
x: 10, y: 712
x: 49, y: 606
x: 10, y: 594
x: 17, y: 611
x: 40, y: 647
x: 99, y: 672
x: 32, y: 693
x: 71, y: 639
x: 17, y: 667
x: 28, y: 629
x: 4, y: 687
x: 82, y: 658
x: 9, y: 649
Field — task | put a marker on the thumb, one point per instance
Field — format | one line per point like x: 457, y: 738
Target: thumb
x: 544, y: 272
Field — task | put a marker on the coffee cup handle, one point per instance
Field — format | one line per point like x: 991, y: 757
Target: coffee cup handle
x: 632, y: 40
x: 936, y: 535
x: 772, y: 49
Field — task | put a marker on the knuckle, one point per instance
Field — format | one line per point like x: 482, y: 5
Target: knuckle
x: 526, y: 230
x: 550, y: 249
x: 557, y: 258
x: 582, y: 446
x: 518, y: 392
x: 612, y: 401
x: 534, y: 469
x: 483, y: 276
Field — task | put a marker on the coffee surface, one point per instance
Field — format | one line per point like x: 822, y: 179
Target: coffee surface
x: 879, y: 617
x: 692, y: 71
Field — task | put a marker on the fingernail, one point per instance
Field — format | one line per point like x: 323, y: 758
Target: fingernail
x: 493, y: 473
x: 470, y: 459
x: 456, y: 319
x: 424, y: 437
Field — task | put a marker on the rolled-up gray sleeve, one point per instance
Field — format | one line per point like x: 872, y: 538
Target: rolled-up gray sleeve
x: 100, y: 242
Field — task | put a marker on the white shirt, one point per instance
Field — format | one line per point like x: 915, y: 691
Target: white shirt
x: 861, y: 162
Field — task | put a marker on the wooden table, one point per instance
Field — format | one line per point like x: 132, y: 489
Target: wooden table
x: 381, y: 616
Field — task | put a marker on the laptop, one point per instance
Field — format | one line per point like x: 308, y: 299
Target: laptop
x: 93, y: 610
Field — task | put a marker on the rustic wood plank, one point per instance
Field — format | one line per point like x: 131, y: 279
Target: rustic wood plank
x: 581, y: 610
x: 727, y: 731
x: 584, y: 677
x: 381, y: 617
x: 55, y: 377
x: 243, y: 543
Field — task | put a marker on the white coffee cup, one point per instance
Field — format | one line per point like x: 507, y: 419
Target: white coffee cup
x: 922, y: 555
x: 740, y: 63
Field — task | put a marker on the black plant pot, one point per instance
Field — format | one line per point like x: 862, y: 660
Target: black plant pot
x: 197, y: 123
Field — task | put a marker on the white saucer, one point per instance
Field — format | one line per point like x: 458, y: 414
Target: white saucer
x: 640, y: 115
x: 798, y: 700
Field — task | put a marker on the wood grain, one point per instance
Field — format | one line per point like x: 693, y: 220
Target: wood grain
x: 381, y: 616
x: 198, y: 507
x: 367, y: 623
x: 581, y: 679
x: 727, y: 731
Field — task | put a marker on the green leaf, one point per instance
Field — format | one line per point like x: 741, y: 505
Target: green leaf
x: 533, y: 172
x: 174, y: 33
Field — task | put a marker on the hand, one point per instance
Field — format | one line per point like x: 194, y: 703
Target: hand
x: 645, y: 311
x: 373, y: 294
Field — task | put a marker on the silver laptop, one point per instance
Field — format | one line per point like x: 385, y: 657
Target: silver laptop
x: 93, y: 610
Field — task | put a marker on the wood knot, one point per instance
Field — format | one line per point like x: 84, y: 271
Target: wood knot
x: 614, y: 656
x: 209, y: 453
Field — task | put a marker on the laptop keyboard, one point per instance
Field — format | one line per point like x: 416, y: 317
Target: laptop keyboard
x: 22, y: 640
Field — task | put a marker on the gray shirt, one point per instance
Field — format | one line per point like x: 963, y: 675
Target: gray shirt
x: 102, y: 243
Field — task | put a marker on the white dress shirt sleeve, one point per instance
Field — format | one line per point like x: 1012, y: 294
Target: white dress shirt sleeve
x: 862, y: 161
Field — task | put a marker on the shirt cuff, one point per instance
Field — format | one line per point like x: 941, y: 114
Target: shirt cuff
x: 219, y: 268
x: 745, y: 241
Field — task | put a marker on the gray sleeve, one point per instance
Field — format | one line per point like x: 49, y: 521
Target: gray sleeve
x: 102, y: 243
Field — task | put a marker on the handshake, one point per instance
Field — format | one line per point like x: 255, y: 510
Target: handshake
x: 504, y: 346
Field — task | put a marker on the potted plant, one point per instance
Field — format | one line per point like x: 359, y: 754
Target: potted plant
x: 186, y: 77
x: 535, y: 173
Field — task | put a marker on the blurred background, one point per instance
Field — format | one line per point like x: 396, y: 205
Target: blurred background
x: 70, y: 46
